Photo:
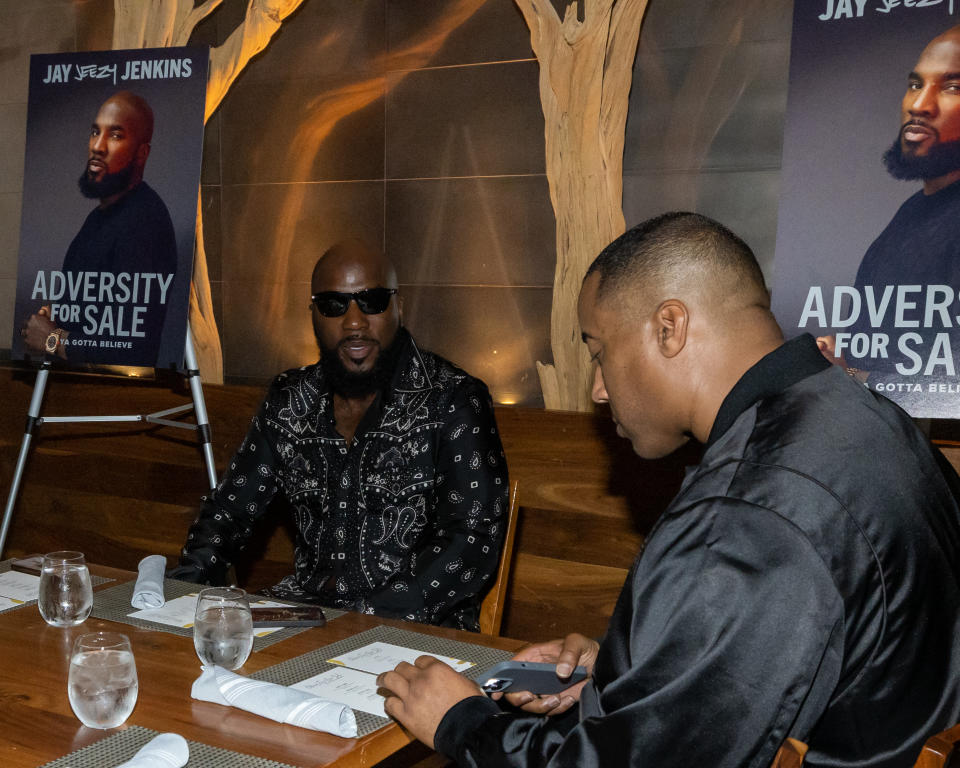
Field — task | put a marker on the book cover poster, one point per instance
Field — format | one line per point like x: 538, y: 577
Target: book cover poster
x: 868, y: 238
x: 111, y: 176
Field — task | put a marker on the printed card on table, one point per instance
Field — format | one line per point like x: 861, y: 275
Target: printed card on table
x: 378, y: 657
x: 355, y: 682
x: 19, y: 587
x: 6, y: 602
x: 358, y: 690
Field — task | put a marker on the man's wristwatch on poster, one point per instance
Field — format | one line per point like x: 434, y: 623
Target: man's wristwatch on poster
x: 53, y: 341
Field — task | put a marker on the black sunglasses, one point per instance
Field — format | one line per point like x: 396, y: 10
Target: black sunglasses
x: 371, y: 301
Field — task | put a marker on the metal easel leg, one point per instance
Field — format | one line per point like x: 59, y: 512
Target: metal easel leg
x: 199, y: 408
x: 33, y: 419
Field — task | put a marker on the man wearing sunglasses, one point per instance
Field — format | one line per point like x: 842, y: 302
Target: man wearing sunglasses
x: 388, y: 455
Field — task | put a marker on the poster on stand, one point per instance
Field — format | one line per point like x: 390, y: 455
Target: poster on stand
x: 868, y: 236
x: 111, y: 177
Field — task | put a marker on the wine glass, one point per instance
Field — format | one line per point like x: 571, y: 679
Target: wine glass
x: 66, y: 594
x: 102, y: 685
x: 223, y: 627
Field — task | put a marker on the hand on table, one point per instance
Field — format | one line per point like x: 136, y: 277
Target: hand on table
x: 418, y: 695
x: 573, y: 650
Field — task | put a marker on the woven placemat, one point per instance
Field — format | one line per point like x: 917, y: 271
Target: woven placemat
x: 5, y: 566
x: 120, y: 747
x: 114, y: 604
x: 314, y: 662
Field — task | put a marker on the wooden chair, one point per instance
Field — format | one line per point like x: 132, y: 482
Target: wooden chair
x: 941, y: 751
x: 491, y: 609
x: 790, y: 754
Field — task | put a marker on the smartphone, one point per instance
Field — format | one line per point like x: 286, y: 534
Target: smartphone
x: 288, y: 616
x: 32, y: 565
x: 534, y: 676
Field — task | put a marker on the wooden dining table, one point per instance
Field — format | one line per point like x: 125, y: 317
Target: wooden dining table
x: 37, y: 724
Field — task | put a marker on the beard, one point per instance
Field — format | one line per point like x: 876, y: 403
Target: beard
x: 109, y: 185
x: 350, y: 384
x: 942, y: 159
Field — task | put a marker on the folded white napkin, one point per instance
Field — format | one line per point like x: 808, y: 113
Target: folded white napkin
x: 168, y: 750
x: 148, y: 591
x: 285, y: 705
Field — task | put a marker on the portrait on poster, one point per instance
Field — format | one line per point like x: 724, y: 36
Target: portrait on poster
x: 111, y: 177
x: 868, y: 237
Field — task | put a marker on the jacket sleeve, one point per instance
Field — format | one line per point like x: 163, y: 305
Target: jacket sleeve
x: 227, y: 516
x: 721, y: 645
x: 467, y: 520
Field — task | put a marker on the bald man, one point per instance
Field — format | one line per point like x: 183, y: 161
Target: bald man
x: 920, y: 247
x: 388, y: 455
x: 129, y: 232
x: 804, y: 582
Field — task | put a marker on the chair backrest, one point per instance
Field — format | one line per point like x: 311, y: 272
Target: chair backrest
x: 790, y: 754
x: 491, y: 609
x: 941, y: 750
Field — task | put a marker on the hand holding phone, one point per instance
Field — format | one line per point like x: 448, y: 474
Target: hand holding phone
x: 564, y: 653
x: 535, y: 677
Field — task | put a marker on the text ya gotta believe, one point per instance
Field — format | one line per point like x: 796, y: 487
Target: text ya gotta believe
x: 892, y: 306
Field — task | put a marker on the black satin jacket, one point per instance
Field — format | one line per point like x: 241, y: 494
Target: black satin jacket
x: 405, y: 521
x: 804, y: 582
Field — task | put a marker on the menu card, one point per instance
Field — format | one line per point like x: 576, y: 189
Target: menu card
x: 382, y: 657
x: 355, y: 683
x: 358, y: 690
x: 18, y: 588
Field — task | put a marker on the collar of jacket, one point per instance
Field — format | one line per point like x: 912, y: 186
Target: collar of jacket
x: 785, y: 366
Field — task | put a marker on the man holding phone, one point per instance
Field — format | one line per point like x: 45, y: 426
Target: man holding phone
x: 789, y: 589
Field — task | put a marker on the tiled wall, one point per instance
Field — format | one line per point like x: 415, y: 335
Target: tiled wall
x: 417, y: 125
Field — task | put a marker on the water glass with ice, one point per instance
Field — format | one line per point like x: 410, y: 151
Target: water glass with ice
x: 103, y: 684
x: 66, y: 594
x: 223, y: 627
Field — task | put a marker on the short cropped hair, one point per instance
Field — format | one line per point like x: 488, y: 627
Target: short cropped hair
x: 669, y: 245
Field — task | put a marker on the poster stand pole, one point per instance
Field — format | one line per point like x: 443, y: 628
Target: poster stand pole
x: 35, y: 420
x: 199, y: 408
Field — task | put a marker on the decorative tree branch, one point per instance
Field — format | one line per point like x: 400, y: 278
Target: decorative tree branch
x: 586, y: 68
x: 165, y: 23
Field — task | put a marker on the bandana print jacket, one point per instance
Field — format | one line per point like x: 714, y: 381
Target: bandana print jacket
x: 406, y: 521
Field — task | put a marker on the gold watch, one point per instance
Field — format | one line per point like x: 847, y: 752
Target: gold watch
x: 53, y: 341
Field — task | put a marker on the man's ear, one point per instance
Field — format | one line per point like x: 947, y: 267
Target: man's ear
x: 143, y: 152
x: 671, y: 320
x: 400, y: 308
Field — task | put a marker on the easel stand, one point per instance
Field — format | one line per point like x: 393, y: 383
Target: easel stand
x: 35, y: 420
